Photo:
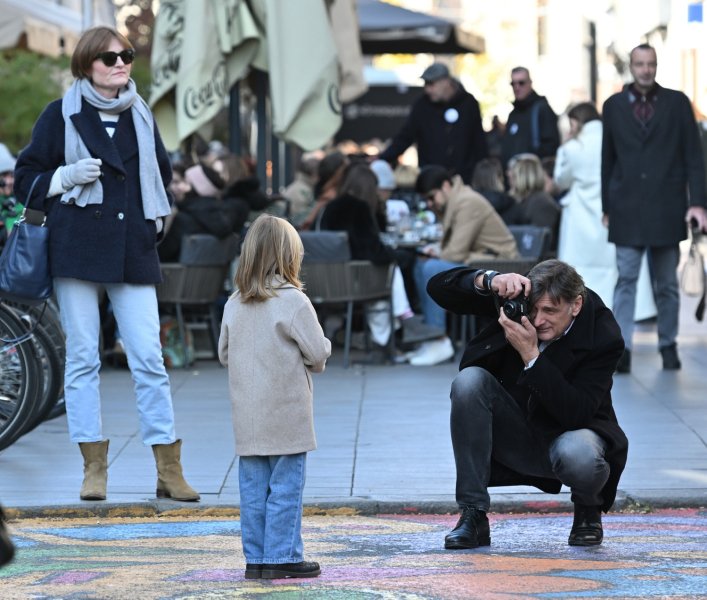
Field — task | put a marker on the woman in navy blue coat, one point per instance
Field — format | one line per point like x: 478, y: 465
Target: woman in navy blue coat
x: 100, y: 170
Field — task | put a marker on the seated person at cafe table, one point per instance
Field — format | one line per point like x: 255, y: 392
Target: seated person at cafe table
x: 531, y: 404
x: 353, y: 211
x: 471, y: 230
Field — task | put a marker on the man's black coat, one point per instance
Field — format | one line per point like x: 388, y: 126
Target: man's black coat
x: 449, y: 134
x: 648, y: 180
x: 518, y: 135
x: 568, y: 387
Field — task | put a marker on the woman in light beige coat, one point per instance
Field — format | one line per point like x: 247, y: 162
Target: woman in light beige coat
x: 271, y: 342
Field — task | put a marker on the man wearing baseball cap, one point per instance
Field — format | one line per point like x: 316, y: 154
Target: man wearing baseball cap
x: 444, y: 123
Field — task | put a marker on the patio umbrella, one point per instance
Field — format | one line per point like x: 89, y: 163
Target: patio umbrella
x: 201, y: 49
x: 302, y: 69
x: 344, y: 23
x: 387, y: 28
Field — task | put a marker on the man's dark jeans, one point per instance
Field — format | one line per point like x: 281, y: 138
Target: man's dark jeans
x: 486, y: 422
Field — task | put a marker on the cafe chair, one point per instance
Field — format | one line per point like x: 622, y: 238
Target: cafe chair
x: 195, y: 283
x: 533, y: 241
x: 335, y: 283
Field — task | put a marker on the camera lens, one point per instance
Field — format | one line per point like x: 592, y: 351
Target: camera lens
x: 510, y: 308
x: 516, y: 308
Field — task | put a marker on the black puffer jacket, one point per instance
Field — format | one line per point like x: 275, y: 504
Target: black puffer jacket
x: 347, y: 213
x: 196, y: 214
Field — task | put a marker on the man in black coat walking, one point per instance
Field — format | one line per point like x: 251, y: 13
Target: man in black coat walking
x: 532, y: 124
x: 653, y: 181
x: 445, y: 123
x: 531, y: 404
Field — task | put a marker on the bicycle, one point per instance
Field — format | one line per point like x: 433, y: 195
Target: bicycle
x: 21, y: 377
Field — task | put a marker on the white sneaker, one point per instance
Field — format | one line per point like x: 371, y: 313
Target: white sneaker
x: 433, y: 353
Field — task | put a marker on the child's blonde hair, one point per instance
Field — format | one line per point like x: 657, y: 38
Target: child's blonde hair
x: 271, y: 246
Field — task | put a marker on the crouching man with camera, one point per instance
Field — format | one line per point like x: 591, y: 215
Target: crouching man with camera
x: 531, y: 404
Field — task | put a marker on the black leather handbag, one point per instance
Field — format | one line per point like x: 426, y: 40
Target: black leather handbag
x: 24, y: 262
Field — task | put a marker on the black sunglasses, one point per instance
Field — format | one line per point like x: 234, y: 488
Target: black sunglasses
x: 519, y: 83
x: 110, y: 58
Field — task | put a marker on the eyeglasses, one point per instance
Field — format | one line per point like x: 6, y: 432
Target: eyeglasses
x: 519, y: 83
x: 110, y: 58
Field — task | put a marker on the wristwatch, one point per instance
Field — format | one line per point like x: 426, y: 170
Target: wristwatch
x: 488, y: 276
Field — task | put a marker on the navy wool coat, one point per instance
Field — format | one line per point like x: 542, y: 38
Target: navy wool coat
x: 110, y: 242
x: 568, y: 387
x: 649, y: 180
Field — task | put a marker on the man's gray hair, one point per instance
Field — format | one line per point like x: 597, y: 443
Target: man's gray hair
x: 557, y: 279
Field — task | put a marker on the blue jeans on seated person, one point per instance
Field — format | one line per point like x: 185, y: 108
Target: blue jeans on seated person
x: 487, y: 422
x: 425, y: 269
x: 271, y: 489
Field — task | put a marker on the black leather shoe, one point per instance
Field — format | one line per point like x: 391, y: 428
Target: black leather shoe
x: 586, y: 528
x: 472, y: 531
x: 285, y: 570
x: 671, y: 362
x: 7, y: 548
x: 624, y: 364
x: 253, y: 571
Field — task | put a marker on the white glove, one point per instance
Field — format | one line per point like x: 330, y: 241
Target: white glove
x: 81, y: 172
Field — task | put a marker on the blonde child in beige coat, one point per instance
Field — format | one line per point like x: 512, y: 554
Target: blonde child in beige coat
x: 272, y: 342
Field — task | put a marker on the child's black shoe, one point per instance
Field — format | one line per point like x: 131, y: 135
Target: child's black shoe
x: 282, y: 571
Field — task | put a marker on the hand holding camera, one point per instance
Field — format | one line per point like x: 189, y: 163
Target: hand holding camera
x: 506, y: 285
x: 516, y: 308
x: 511, y: 291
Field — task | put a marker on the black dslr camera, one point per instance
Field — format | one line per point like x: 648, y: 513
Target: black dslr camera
x: 516, y: 308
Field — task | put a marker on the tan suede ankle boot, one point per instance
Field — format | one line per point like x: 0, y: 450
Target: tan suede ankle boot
x: 170, y: 480
x: 95, y: 470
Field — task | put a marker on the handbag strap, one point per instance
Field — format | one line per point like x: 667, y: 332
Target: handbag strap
x: 31, y: 190
x: 28, y: 334
x: 700, y: 310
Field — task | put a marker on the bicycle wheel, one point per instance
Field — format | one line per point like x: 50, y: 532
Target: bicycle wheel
x: 48, y: 319
x: 52, y: 378
x: 53, y: 340
x: 20, y: 377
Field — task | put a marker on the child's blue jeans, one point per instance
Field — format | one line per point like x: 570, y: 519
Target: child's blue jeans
x: 271, y: 490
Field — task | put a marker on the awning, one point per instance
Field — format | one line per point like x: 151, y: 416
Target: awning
x: 389, y: 29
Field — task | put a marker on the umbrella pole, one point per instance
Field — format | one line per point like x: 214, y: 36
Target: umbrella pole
x: 261, y: 91
x: 234, y: 119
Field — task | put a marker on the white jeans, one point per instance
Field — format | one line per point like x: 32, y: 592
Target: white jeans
x: 135, y: 310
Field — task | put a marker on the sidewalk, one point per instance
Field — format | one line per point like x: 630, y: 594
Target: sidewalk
x: 362, y: 558
x: 384, y: 445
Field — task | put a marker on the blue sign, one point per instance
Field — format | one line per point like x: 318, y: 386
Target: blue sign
x: 694, y: 12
